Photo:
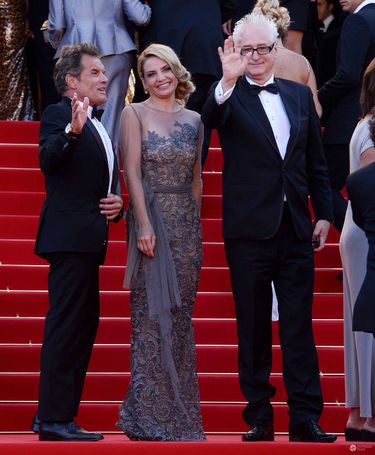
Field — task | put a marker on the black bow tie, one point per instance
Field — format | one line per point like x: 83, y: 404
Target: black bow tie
x: 97, y: 113
x: 256, y: 89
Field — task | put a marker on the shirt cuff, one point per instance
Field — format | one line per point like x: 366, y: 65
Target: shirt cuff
x: 220, y: 95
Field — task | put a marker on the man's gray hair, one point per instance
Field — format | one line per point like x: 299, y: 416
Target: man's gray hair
x: 255, y: 20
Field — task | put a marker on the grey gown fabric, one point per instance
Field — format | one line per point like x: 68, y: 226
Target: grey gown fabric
x: 359, y: 346
x: 162, y: 402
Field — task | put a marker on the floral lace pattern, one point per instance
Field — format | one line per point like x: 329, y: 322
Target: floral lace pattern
x: 150, y: 410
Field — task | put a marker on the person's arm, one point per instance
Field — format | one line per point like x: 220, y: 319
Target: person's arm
x: 131, y: 147
x: 56, y: 22
x: 367, y: 157
x: 354, y: 43
x: 318, y: 179
x: 311, y: 82
x: 233, y: 66
x: 137, y: 12
x: 54, y: 144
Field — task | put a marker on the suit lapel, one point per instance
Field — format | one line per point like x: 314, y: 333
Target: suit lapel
x: 98, y: 139
x: 291, y: 100
x: 254, y: 107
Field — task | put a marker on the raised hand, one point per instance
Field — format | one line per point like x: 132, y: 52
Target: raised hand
x: 79, y: 113
x: 233, y: 63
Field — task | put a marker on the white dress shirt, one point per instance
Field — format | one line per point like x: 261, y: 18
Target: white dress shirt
x: 107, y: 145
x: 274, y: 109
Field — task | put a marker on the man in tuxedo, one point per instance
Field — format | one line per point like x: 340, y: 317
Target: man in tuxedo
x: 81, y: 175
x: 340, y: 94
x: 273, y: 160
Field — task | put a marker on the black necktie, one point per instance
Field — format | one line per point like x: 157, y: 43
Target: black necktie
x: 97, y: 113
x: 256, y: 89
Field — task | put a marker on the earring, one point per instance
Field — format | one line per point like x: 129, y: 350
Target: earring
x: 146, y: 92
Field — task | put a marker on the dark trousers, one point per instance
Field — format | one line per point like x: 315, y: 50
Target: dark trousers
x: 337, y: 156
x: 253, y: 265
x: 69, y: 333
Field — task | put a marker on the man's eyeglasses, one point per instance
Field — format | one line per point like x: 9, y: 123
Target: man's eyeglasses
x: 261, y: 50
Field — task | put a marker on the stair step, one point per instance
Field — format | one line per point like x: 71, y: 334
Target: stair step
x: 117, y: 331
x: 115, y: 358
x: 217, y: 418
x: 111, y: 387
x: 31, y: 179
x: 19, y: 132
x: 117, y: 304
x: 21, y: 251
x: 25, y: 227
x: 216, y: 279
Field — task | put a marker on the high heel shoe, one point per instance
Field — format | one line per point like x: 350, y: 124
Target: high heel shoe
x: 351, y: 434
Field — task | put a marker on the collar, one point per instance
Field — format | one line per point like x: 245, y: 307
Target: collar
x: 327, y: 21
x: 363, y: 4
x: 270, y: 80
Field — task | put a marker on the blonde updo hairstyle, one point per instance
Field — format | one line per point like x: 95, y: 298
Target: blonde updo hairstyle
x: 278, y: 14
x: 185, y: 87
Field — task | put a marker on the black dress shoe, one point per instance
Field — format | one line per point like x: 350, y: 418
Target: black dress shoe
x: 35, y: 424
x: 351, y: 434
x: 259, y: 432
x: 70, y: 431
x: 310, y: 431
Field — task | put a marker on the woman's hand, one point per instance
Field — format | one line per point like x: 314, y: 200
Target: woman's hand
x: 146, y: 241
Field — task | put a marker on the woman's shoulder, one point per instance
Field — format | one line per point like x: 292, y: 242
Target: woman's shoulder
x: 193, y: 116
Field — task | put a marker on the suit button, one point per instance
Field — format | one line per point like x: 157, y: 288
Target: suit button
x: 105, y: 242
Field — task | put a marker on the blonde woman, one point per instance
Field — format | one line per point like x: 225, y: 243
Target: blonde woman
x: 161, y: 143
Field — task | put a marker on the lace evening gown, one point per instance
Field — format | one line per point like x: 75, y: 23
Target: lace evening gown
x: 162, y: 401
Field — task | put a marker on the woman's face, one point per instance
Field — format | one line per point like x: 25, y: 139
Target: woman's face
x: 159, y: 79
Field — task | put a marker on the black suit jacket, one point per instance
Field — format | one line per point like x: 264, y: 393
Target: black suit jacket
x: 192, y: 28
x: 341, y: 93
x: 255, y: 177
x: 76, y: 178
x: 361, y: 189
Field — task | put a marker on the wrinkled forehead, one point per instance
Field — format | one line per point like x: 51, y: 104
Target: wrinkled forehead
x: 255, y: 35
x: 88, y: 62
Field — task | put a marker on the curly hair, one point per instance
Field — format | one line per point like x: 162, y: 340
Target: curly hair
x: 185, y: 87
x: 255, y: 20
x: 69, y: 62
x: 278, y: 14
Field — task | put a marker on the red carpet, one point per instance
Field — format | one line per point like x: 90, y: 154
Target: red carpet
x: 23, y: 303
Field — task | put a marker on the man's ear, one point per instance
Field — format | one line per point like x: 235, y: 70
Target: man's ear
x: 71, y: 81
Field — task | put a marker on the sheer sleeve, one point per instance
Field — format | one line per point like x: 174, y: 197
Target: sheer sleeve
x: 131, y: 150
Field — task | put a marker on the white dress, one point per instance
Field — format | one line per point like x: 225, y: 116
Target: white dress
x: 359, y: 347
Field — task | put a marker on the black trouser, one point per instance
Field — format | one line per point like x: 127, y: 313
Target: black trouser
x: 337, y: 156
x: 288, y: 262
x: 69, y: 333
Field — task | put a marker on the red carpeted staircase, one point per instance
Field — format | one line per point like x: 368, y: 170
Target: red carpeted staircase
x: 23, y: 303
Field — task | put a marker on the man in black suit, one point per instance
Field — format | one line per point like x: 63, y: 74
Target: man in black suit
x: 273, y: 160
x: 341, y: 94
x: 331, y: 18
x: 81, y: 175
